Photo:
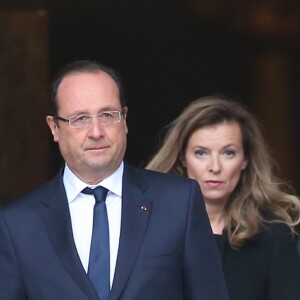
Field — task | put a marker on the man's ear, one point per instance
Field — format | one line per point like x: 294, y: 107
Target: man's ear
x: 125, y: 111
x: 53, y: 127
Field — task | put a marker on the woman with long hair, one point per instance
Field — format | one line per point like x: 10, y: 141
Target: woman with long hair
x: 220, y: 144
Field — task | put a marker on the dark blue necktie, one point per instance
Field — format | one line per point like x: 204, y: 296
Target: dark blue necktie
x: 99, y: 264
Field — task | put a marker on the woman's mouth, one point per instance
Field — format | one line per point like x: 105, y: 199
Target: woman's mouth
x: 214, y: 183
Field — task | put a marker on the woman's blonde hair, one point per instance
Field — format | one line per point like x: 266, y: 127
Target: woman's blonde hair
x: 258, y: 193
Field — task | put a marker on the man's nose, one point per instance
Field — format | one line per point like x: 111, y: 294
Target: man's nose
x: 96, y: 130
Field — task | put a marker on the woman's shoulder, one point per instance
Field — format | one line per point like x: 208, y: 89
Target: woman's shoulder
x: 275, y: 232
x: 273, y: 236
x: 266, y: 264
x: 274, y: 225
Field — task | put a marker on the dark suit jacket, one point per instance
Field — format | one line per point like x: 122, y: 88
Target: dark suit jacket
x: 265, y: 268
x: 165, y: 252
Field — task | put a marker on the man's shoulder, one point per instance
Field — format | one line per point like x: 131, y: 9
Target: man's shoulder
x: 157, y: 177
x: 32, y: 197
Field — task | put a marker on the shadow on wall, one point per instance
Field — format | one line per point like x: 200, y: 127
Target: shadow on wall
x: 24, y: 153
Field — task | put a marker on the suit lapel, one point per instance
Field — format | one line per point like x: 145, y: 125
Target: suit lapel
x: 136, y: 209
x: 58, y: 223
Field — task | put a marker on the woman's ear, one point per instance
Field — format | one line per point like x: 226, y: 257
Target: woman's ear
x: 182, y: 159
x: 244, y: 164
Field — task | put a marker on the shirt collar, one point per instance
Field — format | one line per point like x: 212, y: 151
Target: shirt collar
x: 74, y: 185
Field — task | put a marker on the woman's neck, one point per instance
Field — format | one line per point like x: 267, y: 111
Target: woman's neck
x: 216, y: 214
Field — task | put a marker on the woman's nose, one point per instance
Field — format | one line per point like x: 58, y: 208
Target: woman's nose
x: 215, y: 165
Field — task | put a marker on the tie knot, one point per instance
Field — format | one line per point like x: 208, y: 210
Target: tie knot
x: 99, y: 193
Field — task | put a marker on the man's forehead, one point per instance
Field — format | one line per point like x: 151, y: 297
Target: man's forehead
x: 87, y: 82
x: 78, y: 76
x: 83, y: 86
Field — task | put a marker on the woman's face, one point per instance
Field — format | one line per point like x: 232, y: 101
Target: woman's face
x: 215, y: 158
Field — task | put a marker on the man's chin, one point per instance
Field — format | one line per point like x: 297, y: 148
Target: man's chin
x: 98, y: 166
x: 101, y: 165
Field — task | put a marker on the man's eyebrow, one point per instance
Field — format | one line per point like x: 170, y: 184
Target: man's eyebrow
x: 86, y: 112
x: 110, y: 108
x: 80, y: 112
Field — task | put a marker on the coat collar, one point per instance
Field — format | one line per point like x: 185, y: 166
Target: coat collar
x: 57, y: 220
x: 136, y: 208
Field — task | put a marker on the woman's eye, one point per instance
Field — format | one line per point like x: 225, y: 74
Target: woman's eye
x: 200, y: 153
x: 229, y: 153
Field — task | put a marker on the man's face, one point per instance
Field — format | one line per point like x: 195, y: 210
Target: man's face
x: 94, y: 152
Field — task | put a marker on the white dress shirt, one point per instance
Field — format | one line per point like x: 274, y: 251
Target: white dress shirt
x: 82, y: 211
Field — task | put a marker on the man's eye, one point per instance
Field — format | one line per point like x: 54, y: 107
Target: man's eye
x: 107, y: 115
x: 81, y: 118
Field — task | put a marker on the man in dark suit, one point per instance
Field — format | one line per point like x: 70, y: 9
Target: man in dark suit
x: 156, y: 242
